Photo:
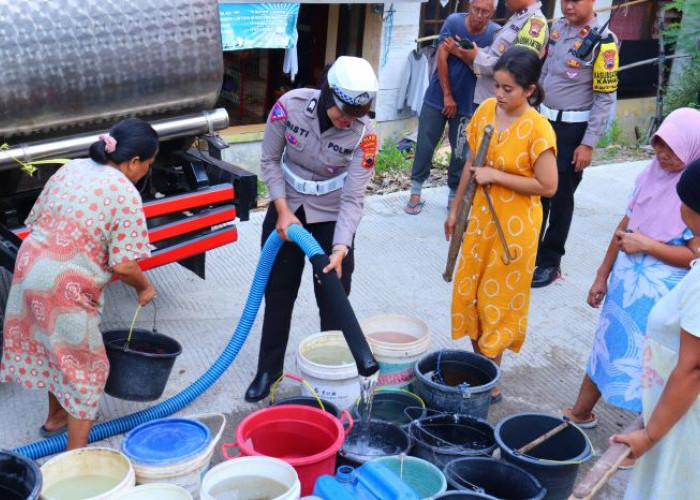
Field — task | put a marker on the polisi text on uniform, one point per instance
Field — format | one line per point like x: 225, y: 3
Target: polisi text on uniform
x: 297, y: 129
x: 339, y: 149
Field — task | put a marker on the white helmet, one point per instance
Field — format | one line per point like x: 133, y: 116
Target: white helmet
x: 353, y: 81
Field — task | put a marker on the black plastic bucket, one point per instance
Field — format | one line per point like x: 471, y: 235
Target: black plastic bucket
x: 309, y: 401
x: 395, y: 406
x: 460, y: 383
x: 440, y: 439
x: 556, y: 461
x: 20, y: 477
x: 387, y: 439
x: 462, y: 495
x: 139, y: 372
x: 493, y: 477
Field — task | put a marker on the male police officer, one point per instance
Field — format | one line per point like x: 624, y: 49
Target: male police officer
x: 450, y: 97
x: 579, y: 92
x: 527, y: 27
x: 317, y: 158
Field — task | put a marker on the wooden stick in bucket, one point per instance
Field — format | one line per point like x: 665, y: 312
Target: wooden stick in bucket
x: 544, y: 437
x: 538, y: 440
x: 605, y: 466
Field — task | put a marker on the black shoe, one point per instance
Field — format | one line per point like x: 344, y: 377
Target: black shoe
x: 259, y: 388
x: 545, y: 276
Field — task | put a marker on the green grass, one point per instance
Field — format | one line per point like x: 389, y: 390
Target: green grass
x: 613, y: 136
x: 390, y: 159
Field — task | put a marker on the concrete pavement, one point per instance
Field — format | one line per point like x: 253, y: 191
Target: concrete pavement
x: 400, y: 260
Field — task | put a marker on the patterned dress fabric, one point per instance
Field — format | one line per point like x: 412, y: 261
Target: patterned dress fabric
x: 669, y: 471
x: 88, y: 218
x: 490, y: 300
x: 636, y: 284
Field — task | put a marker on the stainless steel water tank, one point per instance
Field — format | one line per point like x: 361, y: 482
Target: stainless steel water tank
x: 68, y: 63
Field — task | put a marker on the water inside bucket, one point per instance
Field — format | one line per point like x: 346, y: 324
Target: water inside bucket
x: 248, y: 488
x: 138, y: 346
x: 452, y: 436
x: 330, y: 355
x: 80, y: 487
x: 392, y: 337
x: 454, y: 374
x: 11, y: 494
x: 372, y: 444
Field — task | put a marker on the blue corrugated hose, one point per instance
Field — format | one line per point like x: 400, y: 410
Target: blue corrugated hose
x: 124, y: 424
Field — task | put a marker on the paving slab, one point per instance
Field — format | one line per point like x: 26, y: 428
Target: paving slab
x: 399, y: 264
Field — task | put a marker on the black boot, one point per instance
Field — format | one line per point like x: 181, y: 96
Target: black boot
x: 259, y: 388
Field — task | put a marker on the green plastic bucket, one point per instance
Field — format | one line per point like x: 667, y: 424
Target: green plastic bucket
x: 426, y: 479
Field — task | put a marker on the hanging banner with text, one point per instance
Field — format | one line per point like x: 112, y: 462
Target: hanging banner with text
x: 258, y: 25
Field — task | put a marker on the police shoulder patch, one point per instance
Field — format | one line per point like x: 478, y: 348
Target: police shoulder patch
x: 278, y: 112
x: 368, y: 145
x: 533, y: 34
x: 311, y: 106
x: 605, y: 67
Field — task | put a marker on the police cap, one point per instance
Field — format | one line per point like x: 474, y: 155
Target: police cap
x: 352, y: 81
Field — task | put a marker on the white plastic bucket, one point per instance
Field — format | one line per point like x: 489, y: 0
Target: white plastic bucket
x: 325, y: 361
x: 155, y: 492
x: 101, y: 473
x: 187, y: 474
x: 397, y: 342
x: 250, y: 476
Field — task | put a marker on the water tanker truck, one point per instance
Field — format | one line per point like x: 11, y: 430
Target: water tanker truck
x: 70, y: 69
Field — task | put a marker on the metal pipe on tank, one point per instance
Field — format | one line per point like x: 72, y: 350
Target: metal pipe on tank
x: 170, y: 128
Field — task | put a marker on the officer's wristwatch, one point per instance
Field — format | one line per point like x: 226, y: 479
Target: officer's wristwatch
x: 341, y: 248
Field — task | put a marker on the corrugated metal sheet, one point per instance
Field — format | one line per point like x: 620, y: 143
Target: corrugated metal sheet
x: 76, y: 62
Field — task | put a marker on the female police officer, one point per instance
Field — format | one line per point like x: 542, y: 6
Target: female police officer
x: 317, y: 158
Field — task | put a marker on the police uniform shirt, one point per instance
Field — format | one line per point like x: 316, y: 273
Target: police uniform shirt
x: 293, y: 137
x: 574, y: 84
x: 527, y: 28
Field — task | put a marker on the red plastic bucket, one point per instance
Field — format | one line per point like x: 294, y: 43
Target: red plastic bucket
x: 306, y: 438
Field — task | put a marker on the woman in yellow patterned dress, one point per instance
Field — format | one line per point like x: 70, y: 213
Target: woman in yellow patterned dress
x: 490, y: 299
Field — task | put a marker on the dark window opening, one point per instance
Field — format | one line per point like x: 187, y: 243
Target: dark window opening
x: 254, y: 79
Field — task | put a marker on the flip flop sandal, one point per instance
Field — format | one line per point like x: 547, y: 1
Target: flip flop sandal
x: 627, y: 463
x: 45, y: 433
x: 497, y: 398
x: 413, y: 208
x: 589, y: 423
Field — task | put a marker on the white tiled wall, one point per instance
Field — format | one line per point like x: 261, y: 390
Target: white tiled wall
x: 406, y: 21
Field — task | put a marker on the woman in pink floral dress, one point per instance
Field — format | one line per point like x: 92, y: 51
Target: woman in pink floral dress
x: 86, y: 226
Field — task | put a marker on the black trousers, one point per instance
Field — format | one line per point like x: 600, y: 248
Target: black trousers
x: 558, y: 210
x: 283, y: 287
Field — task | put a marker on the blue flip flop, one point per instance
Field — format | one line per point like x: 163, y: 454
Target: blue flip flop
x: 413, y: 208
x: 45, y: 433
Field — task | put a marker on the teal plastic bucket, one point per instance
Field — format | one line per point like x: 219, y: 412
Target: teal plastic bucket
x: 426, y: 479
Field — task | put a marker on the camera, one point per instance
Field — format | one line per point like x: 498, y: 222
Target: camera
x: 466, y: 44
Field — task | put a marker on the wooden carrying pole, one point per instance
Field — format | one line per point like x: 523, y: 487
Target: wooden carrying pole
x: 465, y: 206
x: 605, y: 466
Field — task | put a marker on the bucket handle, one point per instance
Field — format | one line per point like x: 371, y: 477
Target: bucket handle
x: 293, y: 376
x: 345, y: 418
x: 133, y: 322
x: 226, y: 446
x: 417, y: 423
x: 219, y: 433
x: 463, y: 482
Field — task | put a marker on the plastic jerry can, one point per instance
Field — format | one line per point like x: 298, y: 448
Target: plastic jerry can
x: 371, y: 481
